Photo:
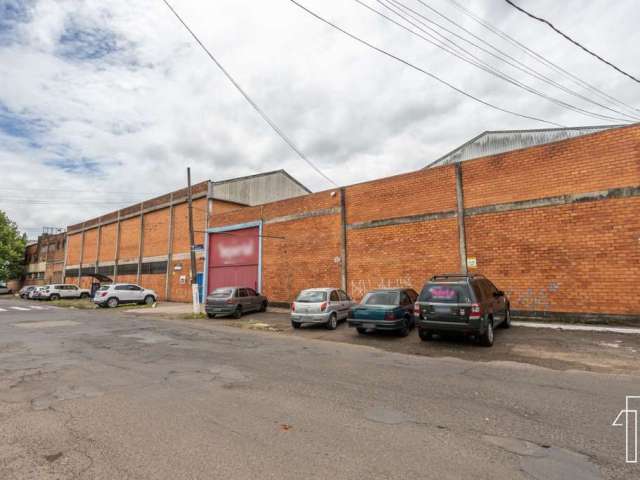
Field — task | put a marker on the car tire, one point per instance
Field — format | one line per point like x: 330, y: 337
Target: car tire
x: 149, y: 300
x: 211, y: 315
x: 507, y: 319
x: 332, y: 323
x: 84, y: 295
x: 361, y: 330
x: 406, y: 328
x: 113, y: 302
x: 237, y: 313
x: 263, y: 307
x: 486, y: 339
x: 425, y: 335
x: 295, y: 324
x: 54, y: 297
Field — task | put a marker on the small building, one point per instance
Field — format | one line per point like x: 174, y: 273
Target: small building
x: 44, y: 259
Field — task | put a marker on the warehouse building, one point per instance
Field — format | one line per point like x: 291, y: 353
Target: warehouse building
x: 148, y: 243
x: 555, y: 225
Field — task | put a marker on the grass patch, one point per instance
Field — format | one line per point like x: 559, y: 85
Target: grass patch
x: 193, y: 316
x: 79, y: 303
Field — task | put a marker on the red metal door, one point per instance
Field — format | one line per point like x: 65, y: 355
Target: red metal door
x: 234, y: 258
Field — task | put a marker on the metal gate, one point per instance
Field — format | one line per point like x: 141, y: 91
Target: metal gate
x: 234, y: 258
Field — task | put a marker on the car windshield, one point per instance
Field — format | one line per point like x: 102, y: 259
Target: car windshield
x: 445, y: 293
x: 381, y: 298
x: 312, y: 296
x: 222, y: 292
x: 103, y: 288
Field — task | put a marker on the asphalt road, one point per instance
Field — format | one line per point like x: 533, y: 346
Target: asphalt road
x: 103, y: 394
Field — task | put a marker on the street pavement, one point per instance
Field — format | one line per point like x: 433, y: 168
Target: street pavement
x: 103, y: 394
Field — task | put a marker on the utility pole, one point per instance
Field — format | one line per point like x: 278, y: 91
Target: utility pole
x: 194, y: 282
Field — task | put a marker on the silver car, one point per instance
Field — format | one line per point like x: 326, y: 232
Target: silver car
x: 114, y: 294
x: 234, y: 301
x: 321, y: 305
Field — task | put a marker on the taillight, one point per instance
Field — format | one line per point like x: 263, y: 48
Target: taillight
x: 323, y: 306
x: 475, y: 311
x: 293, y: 307
x: 389, y: 316
x: 103, y: 294
x: 230, y: 301
x: 416, y: 309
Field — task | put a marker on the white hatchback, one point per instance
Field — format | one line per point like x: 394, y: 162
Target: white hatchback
x: 113, y: 295
x: 58, y: 291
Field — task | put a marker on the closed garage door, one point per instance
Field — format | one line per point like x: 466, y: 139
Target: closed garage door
x: 234, y: 258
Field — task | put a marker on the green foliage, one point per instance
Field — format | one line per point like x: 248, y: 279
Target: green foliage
x: 12, y: 246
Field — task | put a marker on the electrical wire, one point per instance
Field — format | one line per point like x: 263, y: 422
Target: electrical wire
x: 255, y: 106
x: 536, y: 56
x: 503, y: 56
x: 415, y: 67
x: 578, y: 44
x: 478, y: 62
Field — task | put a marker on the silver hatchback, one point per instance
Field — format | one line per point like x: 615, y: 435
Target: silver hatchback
x: 321, y: 305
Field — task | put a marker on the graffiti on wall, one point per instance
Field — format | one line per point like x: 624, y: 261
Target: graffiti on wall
x: 538, y: 299
x: 360, y: 287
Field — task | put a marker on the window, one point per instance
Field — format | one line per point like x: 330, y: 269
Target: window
x: 413, y: 296
x: 122, y: 287
x: 153, y: 267
x: 128, y: 269
x: 404, y: 299
x: 106, y: 270
x: 381, y: 298
x: 222, y: 293
x: 251, y: 292
x: 242, y: 292
x: 343, y: 296
x: 135, y: 288
x: 312, y: 296
x: 334, y: 296
x: 445, y: 293
x: 71, y: 272
x: 71, y: 287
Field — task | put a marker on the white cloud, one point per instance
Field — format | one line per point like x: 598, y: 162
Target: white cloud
x: 102, y: 97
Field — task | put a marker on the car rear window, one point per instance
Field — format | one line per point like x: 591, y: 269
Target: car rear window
x: 222, y: 292
x: 103, y: 288
x: 312, y: 296
x: 445, y: 293
x: 381, y: 298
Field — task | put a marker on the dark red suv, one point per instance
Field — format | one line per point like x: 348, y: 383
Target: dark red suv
x: 466, y: 303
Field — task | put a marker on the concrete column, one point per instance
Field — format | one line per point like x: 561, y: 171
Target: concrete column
x: 343, y: 239
x: 81, y: 255
x: 167, y: 281
x: 462, y: 239
x: 117, y: 253
x: 140, y: 244
x: 66, y: 253
x: 98, y: 247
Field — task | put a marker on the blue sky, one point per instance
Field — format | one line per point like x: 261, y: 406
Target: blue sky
x: 99, y: 98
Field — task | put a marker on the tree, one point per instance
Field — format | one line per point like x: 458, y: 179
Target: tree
x: 12, y: 246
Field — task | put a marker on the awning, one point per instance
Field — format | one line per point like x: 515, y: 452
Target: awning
x: 98, y: 276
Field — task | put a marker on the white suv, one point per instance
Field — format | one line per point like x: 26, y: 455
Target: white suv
x: 58, y: 291
x: 113, y: 295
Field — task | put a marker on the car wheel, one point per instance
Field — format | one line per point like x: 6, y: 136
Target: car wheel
x: 295, y: 324
x: 486, y: 339
x: 211, y: 315
x: 54, y: 297
x: 263, y: 307
x: 149, y: 300
x: 237, y: 313
x: 112, y: 302
x: 425, y: 335
x: 507, y: 319
x: 332, y: 324
x: 404, y: 331
x: 361, y: 330
x: 84, y: 295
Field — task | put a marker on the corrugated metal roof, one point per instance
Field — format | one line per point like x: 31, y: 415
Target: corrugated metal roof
x: 493, y: 142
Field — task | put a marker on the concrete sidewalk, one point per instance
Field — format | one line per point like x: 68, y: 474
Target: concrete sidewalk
x: 168, y: 309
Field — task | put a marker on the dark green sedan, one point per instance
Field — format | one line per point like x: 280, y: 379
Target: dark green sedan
x: 385, y: 309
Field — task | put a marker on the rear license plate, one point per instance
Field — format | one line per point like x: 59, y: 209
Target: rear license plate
x: 443, y: 310
x: 369, y: 325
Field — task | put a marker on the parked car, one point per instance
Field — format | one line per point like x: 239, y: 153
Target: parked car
x: 24, y: 291
x: 58, y: 291
x: 4, y: 289
x: 234, y: 301
x: 116, y: 293
x: 321, y: 305
x: 385, y: 309
x: 35, y: 293
x: 469, y: 304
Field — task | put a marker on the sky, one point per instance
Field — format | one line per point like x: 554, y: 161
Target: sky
x: 104, y: 104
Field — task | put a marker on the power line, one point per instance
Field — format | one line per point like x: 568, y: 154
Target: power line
x: 264, y: 116
x: 578, y: 44
x: 476, y: 61
x: 536, y: 56
x: 503, y: 56
x: 415, y: 67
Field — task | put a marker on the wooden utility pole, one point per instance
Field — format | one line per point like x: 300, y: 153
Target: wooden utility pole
x: 194, y: 281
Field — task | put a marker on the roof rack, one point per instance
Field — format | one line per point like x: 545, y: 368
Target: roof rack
x: 445, y: 276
